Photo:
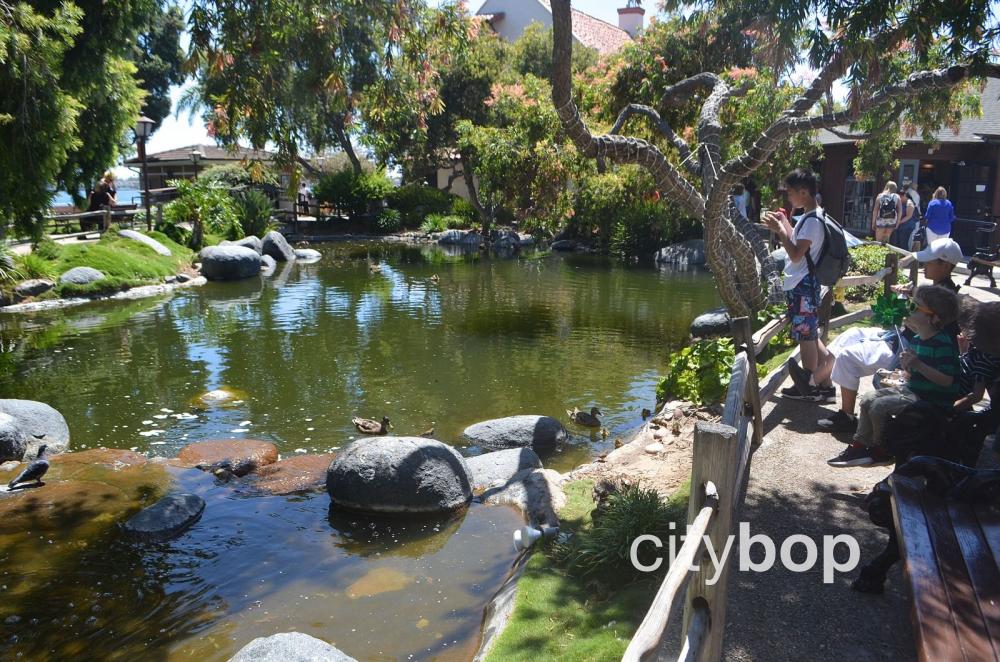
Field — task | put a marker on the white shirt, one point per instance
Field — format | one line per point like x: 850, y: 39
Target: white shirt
x: 809, y: 227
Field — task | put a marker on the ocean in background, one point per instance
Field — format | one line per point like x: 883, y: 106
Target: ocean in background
x: 126, y: 196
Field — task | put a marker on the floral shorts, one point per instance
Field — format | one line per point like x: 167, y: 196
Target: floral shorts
x: 803, y: 308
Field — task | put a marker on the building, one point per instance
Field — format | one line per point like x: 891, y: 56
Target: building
x: 179, y: 164
x: 509, y: 18
x: 964, y: 162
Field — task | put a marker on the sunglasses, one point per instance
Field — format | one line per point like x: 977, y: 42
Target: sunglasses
x: 914, y: 306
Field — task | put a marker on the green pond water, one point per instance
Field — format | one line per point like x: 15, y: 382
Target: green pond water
x: 306, y: 350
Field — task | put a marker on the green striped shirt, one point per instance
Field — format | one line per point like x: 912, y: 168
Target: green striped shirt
x: 941, y: 353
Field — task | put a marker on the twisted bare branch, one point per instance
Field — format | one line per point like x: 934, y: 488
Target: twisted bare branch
x: 664, y: 128
x: 679, y: 93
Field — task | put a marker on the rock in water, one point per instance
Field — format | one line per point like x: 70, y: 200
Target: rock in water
x: 307, y: 254
x: 459, y: 238
x: 275, y: 245
x: 714, y: 323
x: 499, y: 467
x: 147, y: 240
x: 13, y: 440
x: 41, y: 424
x: 289, y: 647
x: 33, y: 287
x: 267, y: 265
x: 399, y: 475
x: 166, y: 518
x: 686, y: 253
x: 229, y: 262
x: 81, y: 276
x: 564, y: 245
x: 251, y: 242
x: 518, y: 431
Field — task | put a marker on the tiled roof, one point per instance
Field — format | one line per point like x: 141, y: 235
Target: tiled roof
x: 595, y: 33
x: 209, y: 153
x: 969, y: 131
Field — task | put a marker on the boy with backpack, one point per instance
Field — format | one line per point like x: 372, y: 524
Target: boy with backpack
x: 817, y: 255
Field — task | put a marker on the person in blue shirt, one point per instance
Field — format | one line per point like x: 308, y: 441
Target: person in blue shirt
x: 940, y: 215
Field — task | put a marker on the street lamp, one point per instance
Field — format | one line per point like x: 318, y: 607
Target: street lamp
x: 143, y: 129
x: 195, y: 158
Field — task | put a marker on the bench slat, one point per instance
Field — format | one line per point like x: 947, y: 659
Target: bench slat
x: 981, y: 566
x: 936, y: 636
x: 989, y: 522
x: 973, y: 634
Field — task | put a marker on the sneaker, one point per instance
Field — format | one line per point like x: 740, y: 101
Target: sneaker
x: 854, y: 455
x: 794, y: 393
x: 839, y: 422
x: 829, y: 393
x: 800, y: 376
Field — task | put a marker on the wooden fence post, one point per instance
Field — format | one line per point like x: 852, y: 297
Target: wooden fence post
x: 743, y: 337
x: 159, y: 215
x: 717, y: 458
x: 107, y: 219
x: 892, y: 264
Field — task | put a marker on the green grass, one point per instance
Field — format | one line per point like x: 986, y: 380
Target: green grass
x: 559, y: 616
x: 125, y: 263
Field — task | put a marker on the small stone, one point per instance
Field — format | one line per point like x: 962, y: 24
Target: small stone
x: 81, y: 276
x: 33, y: 287
x: 654, y: 448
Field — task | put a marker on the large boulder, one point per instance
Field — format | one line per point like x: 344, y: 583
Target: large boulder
x: 298, y: 473
x: 564, y: 245
x: 81, y: 276
x: 229, y: 262
x: 251, y: 242
x: 267, y: 265
x: 517, y: 432
x: 13, y: 440
x: 713, y: 324
x: 33, y: 288
x: 505, y: 239
x: 459, y: 238
x: 537, y: 492
x: 275, y: 245
x: 236, y: 456
x: 307, y: 254
x: 686, y: 253
x: 499, y: 467
x: 399, y: 475
x: 166, y: 518
x: 289, y: 647
x: 41, y: 423
x: 147, y: 240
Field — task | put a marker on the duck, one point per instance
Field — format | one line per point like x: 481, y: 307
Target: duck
x: 604, y: 433
x: 33, y: 471
x: 646, y: 413
x: 374, y: 267
x: 583, y: 418
x: 434, y: 279
x: 369, y: 426
x: 428, y: 433
x: 619, y: 442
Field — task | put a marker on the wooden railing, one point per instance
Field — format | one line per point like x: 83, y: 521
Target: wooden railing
x: 720, y: 470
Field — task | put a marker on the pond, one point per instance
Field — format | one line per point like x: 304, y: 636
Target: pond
x: 431, y: 339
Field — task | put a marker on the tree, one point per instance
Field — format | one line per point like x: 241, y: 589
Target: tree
x: 158, y: 57
x: 848, y: 41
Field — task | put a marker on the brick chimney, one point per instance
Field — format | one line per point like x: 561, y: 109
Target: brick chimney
x: 630, y: 17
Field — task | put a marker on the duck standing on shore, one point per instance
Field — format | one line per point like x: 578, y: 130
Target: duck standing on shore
x: 590, y: 420
x: 369, y: 426
x: 34, y: 471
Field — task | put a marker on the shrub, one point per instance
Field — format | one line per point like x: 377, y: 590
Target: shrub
x: 389, y: 220
x: 415, y: 201
x: 628, y: 512
x: 9, y: 272
x: 699, y: 373
x: 253, y: 209
x: 866, y: 260
x: 47, y: 249
x: 465, y: 209
x: 204, y: 202
x: 441, y: 222
x: 355, y: 194
x: 236, y: 174
x: 33, y: 265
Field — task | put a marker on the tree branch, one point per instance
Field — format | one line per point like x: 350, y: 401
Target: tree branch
x: 613, y: 148
x: 877, y: 131
x: 664, y: 128
x: 680, y: 92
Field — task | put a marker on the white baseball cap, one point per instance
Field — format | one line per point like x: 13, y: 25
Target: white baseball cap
x: 941, y: 249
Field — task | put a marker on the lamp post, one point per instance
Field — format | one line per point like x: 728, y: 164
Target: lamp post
x: 143, y: 129
x: 195, y: 158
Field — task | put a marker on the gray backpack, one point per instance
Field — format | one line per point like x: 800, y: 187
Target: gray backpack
x: 834, y: 259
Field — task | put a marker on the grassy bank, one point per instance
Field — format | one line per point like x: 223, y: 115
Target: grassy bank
x: 125, y: 263
x: 560, y: 614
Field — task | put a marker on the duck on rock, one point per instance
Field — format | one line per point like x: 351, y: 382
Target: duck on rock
x: 34, y: 471
x: 369, y: 426
x: 590, y: 420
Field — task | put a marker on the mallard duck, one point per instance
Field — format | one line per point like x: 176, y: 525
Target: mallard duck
x: 369, y: 426
x: 583, y: 418
x: 434, y: 279
x: 374, y: 267
x: 428, y: 433
x: 619, y: 442
x: 604, y: 433
x: 646, y: 413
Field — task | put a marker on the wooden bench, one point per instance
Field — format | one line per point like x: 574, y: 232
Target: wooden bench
x: 951, y: 554
x: 980, y: 266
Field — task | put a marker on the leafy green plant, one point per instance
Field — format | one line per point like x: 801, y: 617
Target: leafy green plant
x: 354, y: 193
x: 236, y: 174
x: 33, y: 265
x: 699, y: 373
x: 389, y: 220
x: 9, y: 272
x: 465, y: 209
x: 866, y: 260
x: 415, y: 201
x: 253, y: 209
x: 442, y: 222
x: 889, y: 310
x: 200, y: 202
x: 628, y: 512
x: 47, y: 249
